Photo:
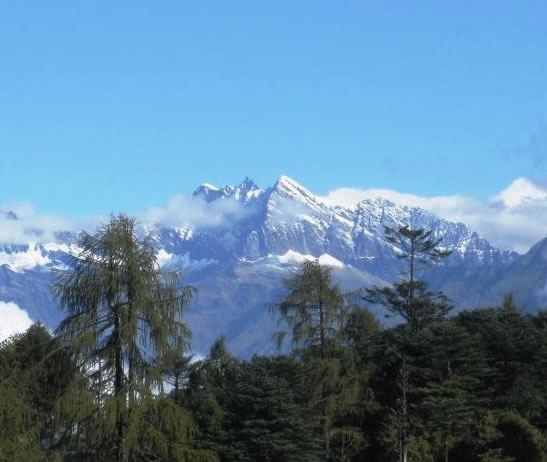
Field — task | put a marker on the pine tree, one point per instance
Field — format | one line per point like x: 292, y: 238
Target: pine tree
x: 209, y: 395
x: 451, y: 371
x: 122, y: 316
x: 19, y: 422
x: 34, y: 373
x: 419, y: 307
x: 268, y: 419
x: 315, y: 310
x: 175, y: 367
x: 410, y: 297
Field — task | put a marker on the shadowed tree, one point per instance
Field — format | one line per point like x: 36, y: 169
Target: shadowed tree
x: 410, y: 299
x: 175, y: 368
x: 34, y: 373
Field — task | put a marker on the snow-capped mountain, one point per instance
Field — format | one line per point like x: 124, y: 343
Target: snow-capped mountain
x: 521, y: 191
x: 288, y: 217
x: 239, y: 262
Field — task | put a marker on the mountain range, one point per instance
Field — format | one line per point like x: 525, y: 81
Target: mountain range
x: 238, y: 261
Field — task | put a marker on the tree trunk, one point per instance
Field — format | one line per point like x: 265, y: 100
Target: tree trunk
x: 405, y: 414
x: 118, y: 393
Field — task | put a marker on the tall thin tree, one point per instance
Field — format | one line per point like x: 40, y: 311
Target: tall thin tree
x: 410, y: 297
x: 122, y: 314
x: 314, y: 310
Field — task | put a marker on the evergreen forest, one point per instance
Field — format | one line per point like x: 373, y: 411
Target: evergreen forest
x: 116, y: 382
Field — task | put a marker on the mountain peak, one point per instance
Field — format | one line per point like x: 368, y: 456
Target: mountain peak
x: 246, y: 190
x: 208, y: 186
x: 290, y: 187
x: 207, y: 192
x: 248, y: 183
x: 284, y: 179
x: 539, y: 249
x: 287, y: 182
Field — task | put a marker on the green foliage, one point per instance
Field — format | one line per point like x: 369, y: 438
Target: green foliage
x: 34, y: 373
x: 174, y: 367
x: 269, y: 423
x: 509, y: 437
x: 519, y: 439
x: 473, y: 387
x: 123, y: 318
x: 19, y: 429
x: 253, y: 410
x: 207, y: 394
x: 469, y: 388
x: 313, y: 309
x: 412, y: 301
x: 316, y: 312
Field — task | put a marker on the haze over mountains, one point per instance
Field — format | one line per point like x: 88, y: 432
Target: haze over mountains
x: 236, y: 244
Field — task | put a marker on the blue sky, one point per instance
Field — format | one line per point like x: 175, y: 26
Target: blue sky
x: 117, y: 106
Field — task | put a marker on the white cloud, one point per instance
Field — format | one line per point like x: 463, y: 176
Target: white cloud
x: 350, y: 197
x: 514, y: 219
x: 288, y: 210
x: 181, y: 211
x: 21, y: 223
x: 13, y: 320
x: 168, y: 260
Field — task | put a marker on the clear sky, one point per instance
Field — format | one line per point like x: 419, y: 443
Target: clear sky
x: 110, y: 106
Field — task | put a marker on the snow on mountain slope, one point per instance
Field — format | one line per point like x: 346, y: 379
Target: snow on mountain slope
x: 288, y: 217
x: 24, y: 258
x: 515, y: 218
x: 20, y: 258
x: 325, y: 259
x: 239, y: 258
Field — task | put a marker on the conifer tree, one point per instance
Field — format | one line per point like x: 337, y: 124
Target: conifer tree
x: 175, y: 368
x: 315, y: 310
x: 208, y: 394
x: 410, y: 298
x: 19, y: 422
x: 123, y: 314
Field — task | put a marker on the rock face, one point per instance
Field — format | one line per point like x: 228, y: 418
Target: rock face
x: 238, y: 263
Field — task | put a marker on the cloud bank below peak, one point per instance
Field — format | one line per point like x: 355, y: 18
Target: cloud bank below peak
x: 513, y: 219
x: 182, y: 211
x: 21, y: 223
